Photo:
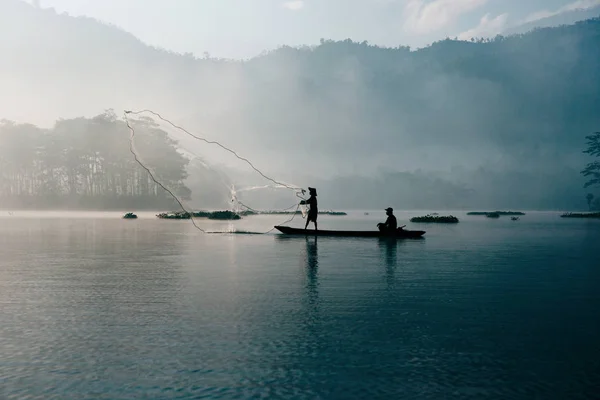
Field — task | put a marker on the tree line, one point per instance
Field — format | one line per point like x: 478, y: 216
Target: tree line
x: 592, y: 170
x: 86, y: 163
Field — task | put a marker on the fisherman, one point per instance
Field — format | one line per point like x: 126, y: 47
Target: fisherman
x: 313, y: 211
x: 390, y: 223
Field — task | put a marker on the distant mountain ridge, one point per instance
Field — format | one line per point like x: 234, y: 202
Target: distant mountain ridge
x: 563, y: 18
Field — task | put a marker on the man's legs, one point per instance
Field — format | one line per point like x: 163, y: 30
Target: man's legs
x: 310, y: 218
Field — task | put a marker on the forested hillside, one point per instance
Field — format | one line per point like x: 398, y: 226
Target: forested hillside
x: 491, y: 123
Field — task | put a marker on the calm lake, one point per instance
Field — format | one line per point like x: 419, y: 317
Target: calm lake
x: 97, y: 307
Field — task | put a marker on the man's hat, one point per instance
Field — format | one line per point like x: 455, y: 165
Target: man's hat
x: 389, y: 209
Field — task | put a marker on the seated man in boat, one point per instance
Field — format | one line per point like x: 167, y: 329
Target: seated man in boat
x: 390, y: 223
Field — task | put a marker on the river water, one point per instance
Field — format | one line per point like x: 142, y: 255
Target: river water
x: 97, y: 307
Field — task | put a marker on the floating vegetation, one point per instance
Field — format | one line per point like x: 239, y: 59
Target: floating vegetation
x: 224, y: 215
x: 581, y: 215
x: 249, y: 212
x: 496, y: 212
x: 444, y: 219
x: 335, y: 213
x: 493, y: 215
x: 220, y: 215
x: 129, y: 215
x: 174, y: 215
x: 230, y: 215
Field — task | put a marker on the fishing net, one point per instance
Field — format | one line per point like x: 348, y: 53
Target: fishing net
x: 198, y: 177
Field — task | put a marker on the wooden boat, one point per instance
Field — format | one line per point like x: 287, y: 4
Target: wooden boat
x: 399, y: 234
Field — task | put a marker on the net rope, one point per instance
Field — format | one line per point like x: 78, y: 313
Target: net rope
x: 298, y: 191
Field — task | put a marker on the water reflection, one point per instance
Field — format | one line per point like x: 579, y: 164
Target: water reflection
x: 312, y: 260
x: 389, y: 249
x: 312, y: 280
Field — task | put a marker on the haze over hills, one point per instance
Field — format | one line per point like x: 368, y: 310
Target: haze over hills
x: 457, y: 124
x: 562, y: 18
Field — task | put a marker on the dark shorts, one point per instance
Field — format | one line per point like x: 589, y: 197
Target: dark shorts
x: 312, y: 216
x: 383, y: 228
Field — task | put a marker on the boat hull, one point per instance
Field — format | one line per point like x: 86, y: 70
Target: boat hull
x: 404, y: 234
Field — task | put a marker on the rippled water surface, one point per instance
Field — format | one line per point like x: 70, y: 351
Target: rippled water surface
x: 96, y: 307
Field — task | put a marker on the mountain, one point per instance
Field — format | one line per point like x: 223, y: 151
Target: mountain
x: 496, y: 122
x: 563, y: 18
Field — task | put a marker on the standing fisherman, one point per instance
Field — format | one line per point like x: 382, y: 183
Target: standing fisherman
x: 313, y: 210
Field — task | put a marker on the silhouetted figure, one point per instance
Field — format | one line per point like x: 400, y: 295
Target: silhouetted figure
x: 313, y: 211
x: 390, y: 223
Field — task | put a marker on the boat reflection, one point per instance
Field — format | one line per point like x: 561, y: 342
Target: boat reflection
x: 389, y: 256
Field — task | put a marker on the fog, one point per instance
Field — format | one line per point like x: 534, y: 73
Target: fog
x: 458, y: 124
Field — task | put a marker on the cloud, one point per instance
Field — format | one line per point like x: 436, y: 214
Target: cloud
x: 425, y: 17
x: 576, y: 5
x: 487, y: 27
x: 294, y: 5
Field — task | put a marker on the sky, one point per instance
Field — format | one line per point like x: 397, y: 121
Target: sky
x: 241, y: 29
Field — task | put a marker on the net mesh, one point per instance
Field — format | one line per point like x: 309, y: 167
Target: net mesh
x: 201, y: 177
